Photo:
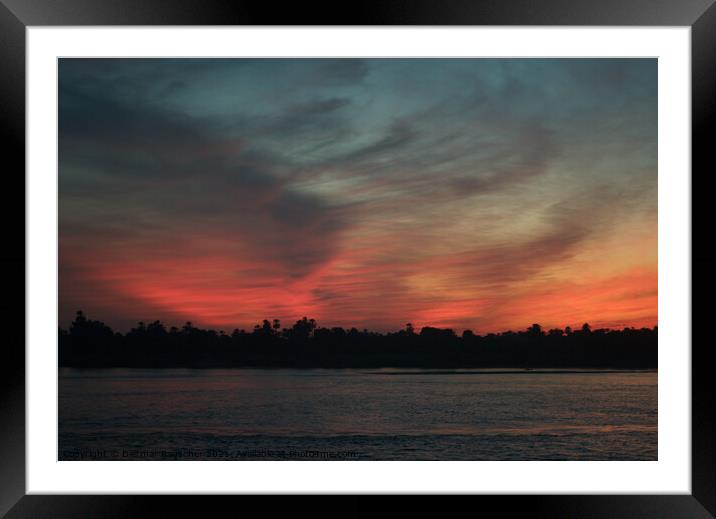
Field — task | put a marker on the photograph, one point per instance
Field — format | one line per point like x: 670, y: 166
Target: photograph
x: 350, y: 259
x: 395, y: 250
x: 403, y: 249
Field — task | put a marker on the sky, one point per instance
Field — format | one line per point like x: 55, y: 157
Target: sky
x: 482, y: 194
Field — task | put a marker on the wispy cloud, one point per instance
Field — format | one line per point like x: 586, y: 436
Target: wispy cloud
x: 362, y: 192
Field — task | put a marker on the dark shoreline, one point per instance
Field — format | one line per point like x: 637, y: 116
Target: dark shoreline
x: 92, y: 344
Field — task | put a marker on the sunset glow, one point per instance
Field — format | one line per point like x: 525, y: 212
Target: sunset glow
x: 470, y: 193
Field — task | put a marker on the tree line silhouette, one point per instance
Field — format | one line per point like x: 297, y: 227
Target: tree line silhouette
x: 90, y: 343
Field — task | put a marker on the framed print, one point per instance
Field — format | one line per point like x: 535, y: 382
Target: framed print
x: 384, y: 254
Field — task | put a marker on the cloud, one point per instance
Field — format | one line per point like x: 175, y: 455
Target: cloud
x: 368, y: 192
x: 141, y: 183
x: 531, y: 151
x: 341, y: 71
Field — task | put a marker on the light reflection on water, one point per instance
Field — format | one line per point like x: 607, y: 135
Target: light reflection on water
x: 371, y: 414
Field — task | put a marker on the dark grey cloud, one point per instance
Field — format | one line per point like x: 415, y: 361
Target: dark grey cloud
x: 167, y: 173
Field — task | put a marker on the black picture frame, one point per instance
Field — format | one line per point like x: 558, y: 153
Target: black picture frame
x: 16, y: 15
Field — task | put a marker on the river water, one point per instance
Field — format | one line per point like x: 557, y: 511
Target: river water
x: 332, y: 414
